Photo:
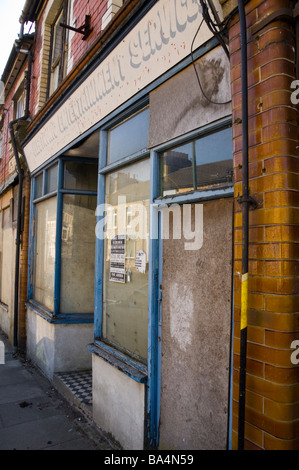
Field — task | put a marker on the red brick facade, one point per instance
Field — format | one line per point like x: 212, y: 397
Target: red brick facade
x: 96, y: 10
x: 7, y: 163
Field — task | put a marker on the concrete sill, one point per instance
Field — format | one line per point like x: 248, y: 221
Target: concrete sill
x: 61, y: 318
x: 133, y: 369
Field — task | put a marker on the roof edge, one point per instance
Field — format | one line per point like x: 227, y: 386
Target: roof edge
x: 30, y: 10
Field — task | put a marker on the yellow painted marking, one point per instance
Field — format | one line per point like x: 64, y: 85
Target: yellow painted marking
x: 244, y: 300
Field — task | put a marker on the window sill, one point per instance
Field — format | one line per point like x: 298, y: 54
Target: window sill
x: 61, y: 318
x: 197, y: 196
x: 133, y: 369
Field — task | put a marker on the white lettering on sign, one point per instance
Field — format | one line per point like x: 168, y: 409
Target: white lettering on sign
x: 167, y: 20
x: 160, y: 40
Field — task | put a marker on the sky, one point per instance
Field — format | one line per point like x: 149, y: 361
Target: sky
x: 10, y: 12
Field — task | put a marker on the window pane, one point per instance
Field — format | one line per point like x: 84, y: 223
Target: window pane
x: 20, y: 106
x: 214, y: 158
x: 176, y: 170
x: 52, y: 179
x: 78, y: 254
x: 205, y: 162
x: 44, y: 255
x: 54, y: 79
x: 7, y: 261
x: 57, y: 39
x: 125, y: 301
x: 38, y: 191
x: 80, y: 176
x: 57, y: 52
x: 129, y: 137
x: 6, y: 219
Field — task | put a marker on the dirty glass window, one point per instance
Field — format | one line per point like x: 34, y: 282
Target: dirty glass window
x: 80, y: 176
x: 38, y: 186
x: 44, y: 254
x: 20, y: 106
x: 78, y: 253
x: 7, y: 256
x: 59, y: 48
x: 129, y: 137
x: 63, y: 263
x: 204, y: 163
x: 57, y: 44
x: 52, y: 179
x: 126, y: 245
x: 46, y: 182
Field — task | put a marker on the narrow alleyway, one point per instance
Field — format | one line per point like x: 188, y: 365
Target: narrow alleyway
x: 34, y: 416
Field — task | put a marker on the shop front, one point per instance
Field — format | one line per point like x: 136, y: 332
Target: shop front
x: 131, y: 213
x: 61, y: 267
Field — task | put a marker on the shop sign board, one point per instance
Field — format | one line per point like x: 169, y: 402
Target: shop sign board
x: 161, y: 39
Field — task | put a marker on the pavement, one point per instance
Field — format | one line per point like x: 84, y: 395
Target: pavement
x: 35, y: 416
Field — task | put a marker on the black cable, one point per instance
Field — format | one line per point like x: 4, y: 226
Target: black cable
x: 212, y: 26
x: 194, y: 65
x: 223, y: 24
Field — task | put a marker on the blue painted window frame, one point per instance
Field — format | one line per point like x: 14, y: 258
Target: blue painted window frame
x: 225, y: 190
x: 55, y: 316
x: 104, y: 169
x: 150, y: 374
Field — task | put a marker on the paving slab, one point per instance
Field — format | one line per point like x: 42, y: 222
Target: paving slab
x: 34, y: 416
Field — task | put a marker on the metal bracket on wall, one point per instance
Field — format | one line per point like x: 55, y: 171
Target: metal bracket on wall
x: 250, y: 200
x: 85, y: 29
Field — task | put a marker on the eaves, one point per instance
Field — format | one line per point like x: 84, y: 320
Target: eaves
x: 10, y: 182
x: 15, y: 63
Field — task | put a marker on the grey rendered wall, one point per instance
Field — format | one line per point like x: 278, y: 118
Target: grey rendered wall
x: 196, y: 334
x: 178, y: 106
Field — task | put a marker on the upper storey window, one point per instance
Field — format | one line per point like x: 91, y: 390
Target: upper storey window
x: 59, y: 47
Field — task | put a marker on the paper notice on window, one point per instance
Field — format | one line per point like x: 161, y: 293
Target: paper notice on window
x: 118, y: 259
x: 140, y: 261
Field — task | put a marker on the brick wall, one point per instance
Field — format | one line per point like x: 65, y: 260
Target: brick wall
x: 7, y: 170
x: 272, y: 384
x: 98, y: 10
x: 101, y: 13
x: 7, y: 162
x: 39, y: 81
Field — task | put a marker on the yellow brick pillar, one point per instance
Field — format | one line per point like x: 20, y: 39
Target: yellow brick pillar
x: 272, y: 388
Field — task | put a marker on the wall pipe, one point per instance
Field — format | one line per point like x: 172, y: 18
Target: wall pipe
x: 245, y: 200
x: 20, y: 172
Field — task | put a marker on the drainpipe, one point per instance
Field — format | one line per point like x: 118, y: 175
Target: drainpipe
x: 245, y: 200
x: 20, y: 172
